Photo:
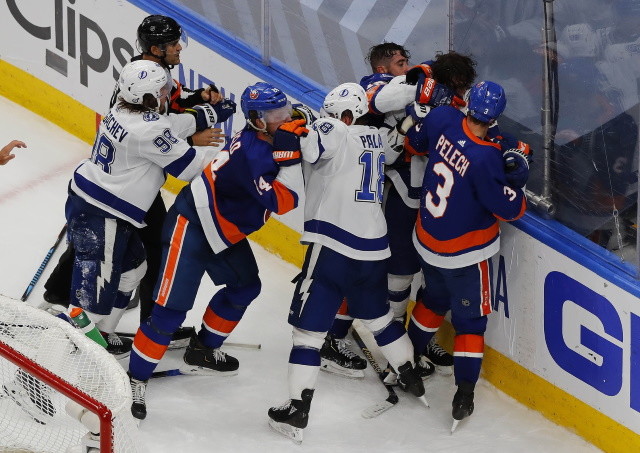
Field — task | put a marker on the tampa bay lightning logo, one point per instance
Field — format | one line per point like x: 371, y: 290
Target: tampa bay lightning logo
x: 344, y: 93
x: 150, y: 116
x: 142, y: 75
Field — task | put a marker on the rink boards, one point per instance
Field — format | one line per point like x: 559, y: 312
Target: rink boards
x: 564, y: 337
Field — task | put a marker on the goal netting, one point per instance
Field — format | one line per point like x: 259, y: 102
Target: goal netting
x: 57, y: 386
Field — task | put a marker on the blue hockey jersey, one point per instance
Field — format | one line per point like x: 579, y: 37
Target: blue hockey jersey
x: 237, y: 192
x: 464, y: 193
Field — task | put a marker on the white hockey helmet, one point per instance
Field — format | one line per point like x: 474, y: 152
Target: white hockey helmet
x: 141, y: 77
x: 348, y: 96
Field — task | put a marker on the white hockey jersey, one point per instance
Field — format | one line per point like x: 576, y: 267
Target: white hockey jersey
x: 130, y: 156
x: 343, y: 168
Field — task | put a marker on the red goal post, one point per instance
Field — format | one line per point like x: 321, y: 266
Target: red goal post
x: 53, y: 380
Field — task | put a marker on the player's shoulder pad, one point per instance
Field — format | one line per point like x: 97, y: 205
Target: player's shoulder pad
x: 375, y: 79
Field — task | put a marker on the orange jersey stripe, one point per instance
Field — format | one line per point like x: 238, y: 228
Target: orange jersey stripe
x: 286, y: 200
x: 485, y: 288
x: 469, y: 343
x: 426, y: 317
x: 344, y: 309
x: 169, y: 271
x: 371, y: 92
x: 474, y: 137
x: 215, y: 322
x: 228, y: 229
x: 466, y: 241
x: 149, y: 347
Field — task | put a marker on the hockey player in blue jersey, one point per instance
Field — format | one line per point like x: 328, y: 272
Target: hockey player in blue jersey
x: 343, y: 166
x: 469, y: 186
x: 110, y: 193
x: 206, y: 231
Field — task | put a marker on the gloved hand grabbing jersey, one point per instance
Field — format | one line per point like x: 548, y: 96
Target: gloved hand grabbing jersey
x: 207, y: 115
x: 286, y: 142
x: 516, y: 164
x: 302, y: 112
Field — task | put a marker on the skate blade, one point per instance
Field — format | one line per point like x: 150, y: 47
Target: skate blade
x: 53, y: 309
x: 192, y: 370
x: 333, y: 368
x: 293, y: 433
x: 454, y: 425
x: 179, y: 344
x: 423, y: 400
x: 444, y: 370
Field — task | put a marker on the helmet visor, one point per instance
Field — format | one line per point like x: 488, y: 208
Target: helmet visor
x: 277, y: 115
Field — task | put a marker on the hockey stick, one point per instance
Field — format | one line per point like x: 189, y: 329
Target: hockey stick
x: 392, y: 399
x: 166, y: 373
x: 227, y: 343
x: 44, y: 263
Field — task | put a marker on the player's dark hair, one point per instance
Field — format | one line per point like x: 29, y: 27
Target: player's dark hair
x: 454, y: 70
x: 149, y: 104
x: 380, y: 54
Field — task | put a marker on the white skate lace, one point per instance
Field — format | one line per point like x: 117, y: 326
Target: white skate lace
x: 114, y: 340
x: 437, y: 350
x: 286, y: 405
x: 343, y: 348
x: 138, y: 389
x: 219, y: 356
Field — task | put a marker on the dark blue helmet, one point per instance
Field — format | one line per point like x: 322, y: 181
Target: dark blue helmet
x: 157, y: 30
x: 261, y: 97
x: 487, y: 101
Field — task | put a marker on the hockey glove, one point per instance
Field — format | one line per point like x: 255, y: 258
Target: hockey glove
x: 204, y: 114
x: 414, y: 73
x: 431, y: 93
x: 286, y: 143
x: 302, y: 112
x: 516, y: 167
x: 224, y: 109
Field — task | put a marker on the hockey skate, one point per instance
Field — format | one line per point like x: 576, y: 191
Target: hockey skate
x: 442, y: 360
x: 200, y: 360
x: 139, y: 405
x: 424, y: 368
x: 31, y: 395
x: 119, y: 347
x: 410, y: 381
x: 462, y: 405
x: 337, y: 358
x: 292, y: 417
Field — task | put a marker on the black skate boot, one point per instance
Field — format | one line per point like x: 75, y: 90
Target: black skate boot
x: 200, y: 360
x: 181, y: 337
x: 462, y: 405
x: 337, y: 358
x: 424, y: 368
x: 439, y: 357
x: 139, y: 406
x: 292, y: 417
x: 409, y: 379
x: 119, y: 347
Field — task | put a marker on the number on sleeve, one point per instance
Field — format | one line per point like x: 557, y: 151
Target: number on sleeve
x: 442, y: 191
x: 165, y: 141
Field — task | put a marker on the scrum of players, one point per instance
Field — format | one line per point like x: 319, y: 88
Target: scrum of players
x: 431, y: 172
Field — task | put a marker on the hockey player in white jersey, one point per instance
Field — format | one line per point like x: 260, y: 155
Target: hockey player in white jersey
x: 110, y: 192
x: 343, y: 166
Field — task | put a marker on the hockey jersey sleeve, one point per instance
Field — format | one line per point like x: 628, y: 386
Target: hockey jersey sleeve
x: 182, y: 125
x: 274, y: 185
x: 505, y: 202
x: 160, y: 145
x: 391, y: 96
x: 323, y: 140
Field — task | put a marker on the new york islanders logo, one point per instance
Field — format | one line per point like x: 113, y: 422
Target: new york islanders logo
x: 253, y: 94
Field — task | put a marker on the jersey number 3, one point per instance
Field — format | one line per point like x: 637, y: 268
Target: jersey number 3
x: 443, y: 191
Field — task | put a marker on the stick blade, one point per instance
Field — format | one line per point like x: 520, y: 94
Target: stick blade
x: 377, y: 409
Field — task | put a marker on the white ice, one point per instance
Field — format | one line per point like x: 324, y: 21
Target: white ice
x: 207, y: 414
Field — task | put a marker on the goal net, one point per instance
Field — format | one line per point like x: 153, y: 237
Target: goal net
x: 57, y: 387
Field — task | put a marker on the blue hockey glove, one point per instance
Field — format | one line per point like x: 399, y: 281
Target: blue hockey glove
x: 286, y: 143
x: 224, y: 109
x: 516, y: 167
x: 431, y: 93
x: 302, y: 112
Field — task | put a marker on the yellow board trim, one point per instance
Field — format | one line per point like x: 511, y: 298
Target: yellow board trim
x: 506, y: 375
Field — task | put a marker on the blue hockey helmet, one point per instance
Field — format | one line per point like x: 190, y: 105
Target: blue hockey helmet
x: 487, y: 101
x: 262, y: 97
